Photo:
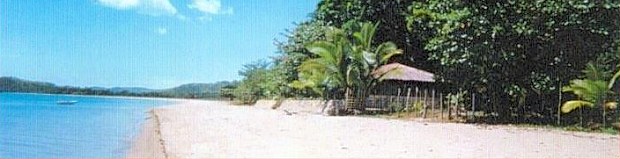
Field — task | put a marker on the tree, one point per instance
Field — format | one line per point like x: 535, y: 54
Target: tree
x: 228, y: 91
x: 293, y: 52
x: 515, y: 50
x: 391, y: 14
x: 251, y: 88
x: 325, y: 73
x: 346, y: 62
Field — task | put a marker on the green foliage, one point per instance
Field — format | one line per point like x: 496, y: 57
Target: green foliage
x: 345, y: 61
x: 228, y: 91
x: 327, y: 71
x: 261, y: 80
x: 391, y: 14
x: 613, y: 80
x: 574, y: 104
x: 514, y: 50
x: 416, y: 106
x: 592, y: 91
x: 396, y: 107
x: 255, y: 84
x: 293, y: 52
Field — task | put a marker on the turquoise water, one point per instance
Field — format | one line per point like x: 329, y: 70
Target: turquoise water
x: 34, y: 126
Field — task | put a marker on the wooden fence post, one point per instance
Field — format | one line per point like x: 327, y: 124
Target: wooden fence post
x: 398, y: 97
x: 425, y: 104
x: 391, y: 97
x: 433, y: 102
x: 417, y: 94
x: 407, y: 100
x: 473, y: 105
x: 441, y: 105
x: 450, y: 106
x: 560, y: 103
x: 456, y: 111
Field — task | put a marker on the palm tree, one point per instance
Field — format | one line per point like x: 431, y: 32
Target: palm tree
x: 592, y: 92
x: 366, y: 58
x: 326, y: 71
x: 346, y: 63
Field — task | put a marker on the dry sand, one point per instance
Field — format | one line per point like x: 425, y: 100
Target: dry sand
x: 211, y: 129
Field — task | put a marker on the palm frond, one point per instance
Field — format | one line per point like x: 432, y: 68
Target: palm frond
x: 611, y: 105
x: 386, y: 50
x: 592, y: 72
x: 589, y: 90
x: 574, y: 104
x: 613, y: 80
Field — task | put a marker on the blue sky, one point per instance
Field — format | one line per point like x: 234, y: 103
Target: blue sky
x: 144, y: 43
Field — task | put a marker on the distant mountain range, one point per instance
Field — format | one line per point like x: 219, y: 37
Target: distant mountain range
x: 131, y: 89
x: 193, y: 90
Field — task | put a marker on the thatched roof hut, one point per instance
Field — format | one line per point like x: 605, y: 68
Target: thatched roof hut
x: 400, y: 72
x: 401, y: 84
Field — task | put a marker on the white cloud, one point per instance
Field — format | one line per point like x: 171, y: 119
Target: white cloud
x: 149, y: 7
x: 161, y: 31
x: 210, y: 7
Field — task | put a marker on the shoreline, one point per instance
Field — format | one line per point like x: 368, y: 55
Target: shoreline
x: 109, y: 96
x: 148, y: 143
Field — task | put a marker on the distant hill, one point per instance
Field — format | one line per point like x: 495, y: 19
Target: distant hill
x: 12, y: 84
x: 193, y: 90
x: 131, y: 89
x: 198, y: 88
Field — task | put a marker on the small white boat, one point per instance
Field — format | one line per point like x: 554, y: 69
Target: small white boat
x: 63, y: 102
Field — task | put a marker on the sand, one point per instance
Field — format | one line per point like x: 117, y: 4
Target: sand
x: 148, y: 142
x: 212, y: 129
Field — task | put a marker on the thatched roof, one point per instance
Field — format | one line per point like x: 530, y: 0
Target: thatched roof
x: 400, y: 72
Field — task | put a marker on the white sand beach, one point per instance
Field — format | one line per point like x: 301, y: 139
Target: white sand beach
x: 212, y: 129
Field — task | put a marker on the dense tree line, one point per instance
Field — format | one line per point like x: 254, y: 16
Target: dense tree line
x: 518, y: 57
x: 211, y: 91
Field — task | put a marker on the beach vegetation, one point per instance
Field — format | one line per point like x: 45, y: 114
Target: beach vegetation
x: 346, y: 62
x: 515, y: 56
x: 594, y: 91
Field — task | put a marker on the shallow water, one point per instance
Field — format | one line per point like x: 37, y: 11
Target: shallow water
x: 34, y: 126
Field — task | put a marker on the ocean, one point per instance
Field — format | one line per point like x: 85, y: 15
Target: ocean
x: 35, y: 126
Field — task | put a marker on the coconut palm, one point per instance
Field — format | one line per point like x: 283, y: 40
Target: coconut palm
x: 327, y: 70
x: 366, y: 58
x: 346, y: 63
x: 592, y: 92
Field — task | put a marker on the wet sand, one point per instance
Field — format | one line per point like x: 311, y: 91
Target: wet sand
x: 148, y: 143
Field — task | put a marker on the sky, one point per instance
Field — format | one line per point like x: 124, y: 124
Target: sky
x: 140, y: 43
